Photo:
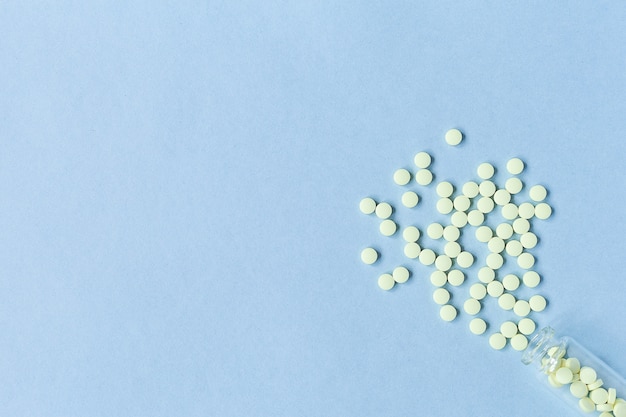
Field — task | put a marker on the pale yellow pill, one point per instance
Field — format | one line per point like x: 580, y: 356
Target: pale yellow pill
x: 526, y: 210
x: 422, y: 160
x: 486, y: 274
x: 411, y: 234
x: 367, y: 205
x: 427, y: 257
x: 504, y: 231
x: 528, y: 240
x: 502, y: 197
x: 443, y: 262
x: 515, y: 166
x: 510, y: 282
x: 612, y: 396
x: 451, y: 233
x: 445, y: 189
x: 514, y: 185
x: 509, y: 211
x: 484, y: 234
x: 538, y: 192
x: 537, y: 303
x: 496, y: 244
x: 596, y: 384
x: 521, y: 226
x: 400, y: 274
x: 578, y: 389
x: 526, y: 326
x: 485, y: 205
x: 531, y: 279
x: 388, y: 227
x: 508, y: 329
x: 465, y: 259
x: 438, y: 278
x: 412, y: 250
x: 445, y: 205
x: 441, y: 296
x: 521, y: 308
x: 619, y: 409
x: 470, y: 189
x: 447, y: 312
x: 383, y: 210
x: 519, y: 342
x: 506, y: 301
x: 497, y: 341
x: 386, y: 282
x: 453, y: 137
x: 434, y: 231
x: 514, y: 247
x: 423, y: 177
x: 410, y: 199
x: 369, y: 256
x: 586, y: 405
x: 462, y: 203
x: 543, y: 211
x: 494, y: 261
x: 456, y: 277
x: 599, y: 396
x: 564, y: 375
x: 485, y: 170
x: 487, y: 188
x: 526, y: 260
x: 495, y: 288
x: 472, y: 306
x: 452, y: 249
x: 401, y: 176
x: 477, y: 326
x: 478, y: 291
x: 475, y: 217
x: 571, y: 363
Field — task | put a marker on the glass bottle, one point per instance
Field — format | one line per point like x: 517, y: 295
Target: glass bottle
x: 576, y: 375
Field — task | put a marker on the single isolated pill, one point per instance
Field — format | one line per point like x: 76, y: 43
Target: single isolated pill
x: 510, y: 282
x: 452, y: 249
x: 521, y: 226
x: 386, y: 282
x: 401, y: 176
x: 451, y: 233
x: 514, y: 247
x: 538, y: 193
x: 369, y: 256
x: 443, y: 262
x: 531, y: 279
x: 410, y: 199
x: 495, y: 261
x: 486, y: 274
x: 412, y: 250
x: 475, y: 218
x: 519, y: 342
x: 422, y: 160
x: 485, y: 205
x: 477, y: 326
x: 388, y: 227
x: 445, y: 189
x: 521, y: 308
x: 515, y: 166
x: 528, y: 240
x: 526, y: 260
x: 526, y: 326
x: 526, y: 210
x: 543, y: 211
x: 400, y: 274
x: 487, y: 188
x: 470, y: 189
x: 497, y: 341
x: 438, y: 278
x: 514, y: 185
x: 537, y: 303
x: 445, y: 205
x: 495, y: 288
x: 508, y: 329
x: 383, y: 210
x: 453, y: 137
x: 465, y: 259
x: 478, y: 291
x: 367, y: 205
x: 504, y: 230
x: 441, y: 296
x: 427, y: 257
x: 423, y: 177
x: 472, y: 306
x: 447, y: 312
x: 485, y: 170
x: 462, y: 203
x: 456, y: 277
x: 506, y: 301
x: 411, y: 234
x: 434, y: 231
x: 502, y: 197
x: 459, y: 219
x: 509, y: 211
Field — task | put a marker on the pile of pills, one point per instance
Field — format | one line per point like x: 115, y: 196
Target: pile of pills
x: 583, y: 383
x: 468, y: 206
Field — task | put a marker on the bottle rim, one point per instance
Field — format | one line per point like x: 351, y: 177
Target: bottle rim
x: 538, y: 346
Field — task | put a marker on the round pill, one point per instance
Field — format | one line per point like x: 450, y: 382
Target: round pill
x: 537, y: 303
x: 484, y: 234
x: 401, y: 176
x: 400, y: 274
x: 513, y: 185
x: 588, y: 375
x: 485, y: 205
x: 456, y: 277
x: 495, y: 261
x: 495, y: 244
x: 528, y: 240
x: 521, y: 308
x: 509, y: 211
x: 510, y: 282
x: 422, y: 160
x: 564, y: 375
x: 504, y: 230
x: 515, y: 166
x: 526, y: 210
x: 470, y: 189
x: 508, y: 329
x: 586, y: 405
x: 526, y: 260
x: 461, y: 203
x: 521, y: 226
x: 412, y: 250
x: 472, y: 306
x: 596, y: 384
x: 423, y: 177
x: 477, y: 326
x: 465, y: 259
x: 387, y: 227
x: 434, y: 231
x: 445, y: 205
x: 543, y: 211
x: 531, y: 279
x: 502, y: 197
x: 427, y: 257
x: 506, y: 301
x: 383, y: 210
x: 495, y: 288
x: 445, y: 189
x: 487, y: 188
x: 478, y: 291
x: 572, y: 363
x: 485, y: 170
x: 386, y: 282
x: 497, y: 341
x: 486, y: 274
x: 538, y: 192
x: 526, y: 326
x: 519, y: 342
x: 438, y: 278
x: 475, y: 218
x: 441, y: 296
x: 578, y: 389
x: 606, y: 408
x: 459, y: 219
x: 612, y: 393
x: 451, y: 233
x: 599, y: 395
x: 454, y: 137
x: 443, y: 262
x: 411, y: 234
x: 367, y: 205
x: 447, y: 312
x: 514, y: 247
x: 619, y: 409
x: 410, y: 199
x: 369, y: 256
x: 452, y: 249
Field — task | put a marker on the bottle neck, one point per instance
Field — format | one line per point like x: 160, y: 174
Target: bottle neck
x: 545, y: 350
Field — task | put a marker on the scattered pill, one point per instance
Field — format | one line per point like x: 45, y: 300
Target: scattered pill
x: 383, y: 210
x: 410, y: 199
x: 508, y: 329
x: 495, y: 245
x: 485, y: 170
x: 423, y: 177
x: 465, y: 259
x: 502, y: 197
x: 526, y: 210
x: 515, y: 166
x: 411, y: 234
x: 412, y: 250
x: 484, y: 234
x: 462, y: 203
x: 438, y: 278
x: 445, y: 205
x: 477, y: 326
x: 504, y: 231
x: 422, y: 160
x: 514, y: 247
x: 443, y: 262
x: 435, y: 231
x: 538, y: 192
x: 612, y: 396
x: 521, y: 308
x: 586, y: 405
x: 588, y: 375
x: 401, y: 176
x: 475, y: 218
x: 531, y: 279
x: 543, y: 211
x: 528, y: 240
x: 564, y: 375
x: 519, y: 342
x: 485, y: 205
x: 452, y: 249
x: 506, y: 301
x: 459, y: 219
x: 447, y: 312
x: 510, y: 282
x: 599, y: 395
x: 572, y: 363
x: 578, y: 389
x: 514, y: 185
x: 386, y: 282
x: 367, y: 205
x: 400, y: 274
x: 497, y: 341
x: 495, y: 261
x: 470, y: 189
x: 487, y: 188
x: 472, y: 306
x: 619, y: 409
x: 454, y: 137
x: 451, y: 233
x: 521, y: 226
x: 526, y: 326
x: 427, y: 257
x: 509, y: 211
x: 495, y: 288
x: 478, y: 291
x: 388, y: 227
x: 526, y: 260
x: 486, y: 274
x: 456, y: 277
x: 605, y: 407
x: 595, y: 384
x: 441, y: 296
x: 537, y: 303
x: 369, y: 256
x: 445, y: 189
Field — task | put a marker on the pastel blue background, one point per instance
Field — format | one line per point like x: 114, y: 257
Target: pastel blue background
x: 180, y: 180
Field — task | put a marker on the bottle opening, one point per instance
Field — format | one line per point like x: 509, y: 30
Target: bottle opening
x: 538, y: 346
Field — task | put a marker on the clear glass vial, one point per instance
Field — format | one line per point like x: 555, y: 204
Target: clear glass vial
x: 576, y: 375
